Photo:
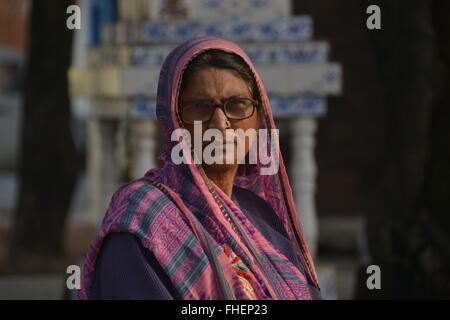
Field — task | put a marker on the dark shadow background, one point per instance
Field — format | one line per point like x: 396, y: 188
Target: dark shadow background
x: 384, y: 147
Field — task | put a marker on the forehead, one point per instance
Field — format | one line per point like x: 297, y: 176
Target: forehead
x: 215, y: 83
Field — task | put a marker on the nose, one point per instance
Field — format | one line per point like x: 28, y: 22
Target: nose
x: 218, y: 120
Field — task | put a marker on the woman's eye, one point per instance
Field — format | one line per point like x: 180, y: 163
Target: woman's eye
x: 239, y: 104
x: 202, y: 105
x: 195, y: 106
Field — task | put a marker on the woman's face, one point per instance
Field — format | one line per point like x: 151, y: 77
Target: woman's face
x: 216, y: 86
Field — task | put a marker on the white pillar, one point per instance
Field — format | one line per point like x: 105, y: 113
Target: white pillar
x: 106, y: 161
x: 144, y: 147
x: 94, y: 165
x: 304, y: 170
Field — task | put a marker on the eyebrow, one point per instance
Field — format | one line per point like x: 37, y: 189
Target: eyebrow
x: 208, y: 100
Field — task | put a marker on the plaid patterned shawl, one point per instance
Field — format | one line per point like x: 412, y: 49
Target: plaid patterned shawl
x: 179, y: 214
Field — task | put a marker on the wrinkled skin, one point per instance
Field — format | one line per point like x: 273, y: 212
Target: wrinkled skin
x: 217, y: 85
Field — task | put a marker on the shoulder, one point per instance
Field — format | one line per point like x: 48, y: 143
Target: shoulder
x: 134, y: 192
x: 137, y: 202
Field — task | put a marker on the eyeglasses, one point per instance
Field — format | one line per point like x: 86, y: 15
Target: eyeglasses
x: 234, y: 109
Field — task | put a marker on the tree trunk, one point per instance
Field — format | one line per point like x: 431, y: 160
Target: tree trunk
x: 48, y: 161
x: 404, y: 237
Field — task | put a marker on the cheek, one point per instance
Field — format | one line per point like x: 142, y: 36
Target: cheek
x: 251, y: 123
x: 190, y: 129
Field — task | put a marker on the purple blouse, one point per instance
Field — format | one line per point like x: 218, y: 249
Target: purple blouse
x: 125, y: 269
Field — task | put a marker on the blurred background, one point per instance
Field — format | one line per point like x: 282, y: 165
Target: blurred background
x: 363, y: 114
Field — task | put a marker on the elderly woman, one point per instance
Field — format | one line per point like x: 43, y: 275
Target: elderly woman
x: 201, y: 229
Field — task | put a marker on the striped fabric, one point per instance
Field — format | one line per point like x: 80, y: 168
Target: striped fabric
x: 179, y: 214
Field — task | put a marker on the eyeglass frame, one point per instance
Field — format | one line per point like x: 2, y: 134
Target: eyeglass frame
x: 222, y: 107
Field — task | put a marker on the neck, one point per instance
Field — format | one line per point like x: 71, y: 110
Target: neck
x: 223, y: 178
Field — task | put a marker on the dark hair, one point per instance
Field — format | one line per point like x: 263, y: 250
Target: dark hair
x: 224, y: 60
